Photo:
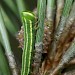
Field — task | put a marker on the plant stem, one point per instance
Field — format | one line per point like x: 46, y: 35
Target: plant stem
x: 50, y: 9
x: 39, y: 35
x: 50, y: 16
x: 7, y: 47
x: 60, y: 5
x: 41, y: 15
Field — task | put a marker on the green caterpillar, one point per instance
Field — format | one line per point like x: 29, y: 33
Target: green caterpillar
x: 29, y: 38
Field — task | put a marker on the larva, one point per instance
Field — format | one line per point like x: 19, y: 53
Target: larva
x: 28, y: 24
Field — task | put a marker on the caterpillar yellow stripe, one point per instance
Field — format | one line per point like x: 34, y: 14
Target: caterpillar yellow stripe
x: 29, y: 37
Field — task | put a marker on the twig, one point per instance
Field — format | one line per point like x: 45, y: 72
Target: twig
x: 39, y: 35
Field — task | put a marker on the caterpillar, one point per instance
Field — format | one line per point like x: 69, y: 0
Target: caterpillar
x: 29, y: 41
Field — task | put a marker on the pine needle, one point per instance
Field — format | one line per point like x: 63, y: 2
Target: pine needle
x: 59, y: 30
x: 7, y: 47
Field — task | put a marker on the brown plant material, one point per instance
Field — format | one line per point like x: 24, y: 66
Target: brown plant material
x: 63, y: 48
x: 20, y: 37
x: 46, y: 65
x: 67, y: 57
x: 70, y: 36
x: 67, y: 36
x: 47, y: 38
